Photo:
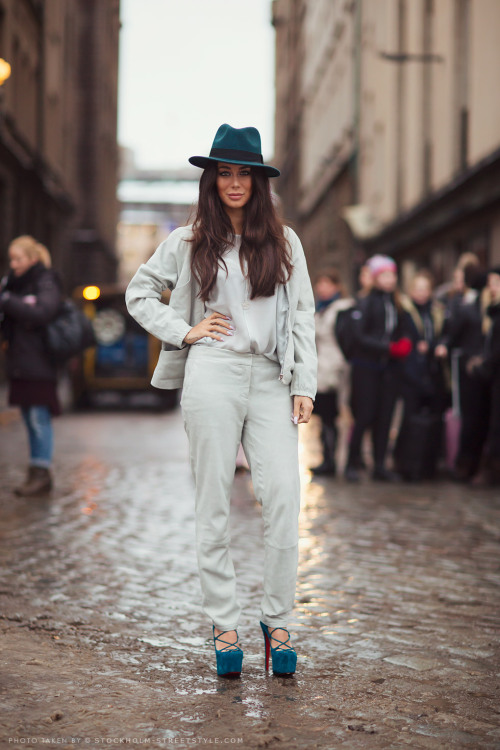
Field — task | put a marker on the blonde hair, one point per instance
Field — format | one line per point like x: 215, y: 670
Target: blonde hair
x: 467, y: 259
x: 33, y: 249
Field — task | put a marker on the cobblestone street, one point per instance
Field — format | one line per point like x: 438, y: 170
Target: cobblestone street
x: 396, y: 623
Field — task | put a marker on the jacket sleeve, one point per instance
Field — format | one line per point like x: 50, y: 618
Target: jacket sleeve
x: 143, y: 295
x: 453, y: 326
x: 44, y: 309
x: 305, y: 372
x: 491, y: 360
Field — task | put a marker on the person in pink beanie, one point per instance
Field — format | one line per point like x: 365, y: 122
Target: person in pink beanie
x: 382, y: 344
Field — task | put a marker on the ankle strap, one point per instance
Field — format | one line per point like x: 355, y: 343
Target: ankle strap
x: 281, y: 643
x: 230, y: 646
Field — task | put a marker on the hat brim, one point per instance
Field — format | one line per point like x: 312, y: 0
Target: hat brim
x: 204, y: 161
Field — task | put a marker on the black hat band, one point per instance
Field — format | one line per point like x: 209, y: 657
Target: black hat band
x: 231, y: 153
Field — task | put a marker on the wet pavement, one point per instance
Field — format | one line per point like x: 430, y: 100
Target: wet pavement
x: 103, y: 642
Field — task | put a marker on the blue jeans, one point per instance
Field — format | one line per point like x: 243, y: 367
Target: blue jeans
x: 39, y: 423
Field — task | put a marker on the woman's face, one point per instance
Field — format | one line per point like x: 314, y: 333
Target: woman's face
x: 325, y: 288
x: 234, y: 184
x: 386, y: 281
x: 365, y: 278
x: 421, y: 290
x: 458, y: 281
x: 494, y: 286
x: 20, y: 262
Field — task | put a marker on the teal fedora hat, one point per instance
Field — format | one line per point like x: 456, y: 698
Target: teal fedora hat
x: 236, y: 146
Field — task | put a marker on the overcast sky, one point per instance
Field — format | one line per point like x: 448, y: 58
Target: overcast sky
x: 186, y: 67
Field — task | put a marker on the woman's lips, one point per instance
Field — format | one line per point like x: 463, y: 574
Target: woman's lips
x: 235, y: 196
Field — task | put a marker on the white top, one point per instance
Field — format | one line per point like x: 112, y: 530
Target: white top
x: 254, y: 320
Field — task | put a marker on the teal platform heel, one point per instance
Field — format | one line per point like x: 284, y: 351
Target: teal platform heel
x: 284, y: 657
x: 229, y: 658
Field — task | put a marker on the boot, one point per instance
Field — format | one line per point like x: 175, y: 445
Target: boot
x: 329, y: 440
x: 38, y: 482
x: 29, y: 474
x: 381, y: 474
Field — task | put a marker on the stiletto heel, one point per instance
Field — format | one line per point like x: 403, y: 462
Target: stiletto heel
x: 284, y: 658
x: 229, y: 659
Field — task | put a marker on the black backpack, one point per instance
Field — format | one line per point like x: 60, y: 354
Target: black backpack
x: 345, y: 330
x: 70, y: 333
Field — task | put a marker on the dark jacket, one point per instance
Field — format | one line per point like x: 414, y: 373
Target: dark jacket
x: 490, y: 366
x: 463, y: 326
x: 25, y: 319
x: 379, y: 321
x: 423, y: 372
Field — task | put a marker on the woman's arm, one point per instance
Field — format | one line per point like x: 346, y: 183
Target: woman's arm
x: 143, y: 294
x: 305, y: 370
x: 38, y: 309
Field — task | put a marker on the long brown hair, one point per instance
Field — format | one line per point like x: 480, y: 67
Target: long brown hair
x: 263, y: 244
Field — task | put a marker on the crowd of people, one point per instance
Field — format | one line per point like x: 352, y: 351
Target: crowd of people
x: 436, y: 351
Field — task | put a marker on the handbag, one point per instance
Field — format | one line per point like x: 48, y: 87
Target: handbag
x: 70, y: 333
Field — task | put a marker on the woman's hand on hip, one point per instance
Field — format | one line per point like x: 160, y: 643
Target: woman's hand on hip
x: 215, y: 323
x: 302, y: 409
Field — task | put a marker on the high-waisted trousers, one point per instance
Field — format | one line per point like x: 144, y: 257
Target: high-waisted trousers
x: 230, y: 398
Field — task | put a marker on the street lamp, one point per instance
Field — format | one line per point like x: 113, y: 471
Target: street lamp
x: 4, y: 71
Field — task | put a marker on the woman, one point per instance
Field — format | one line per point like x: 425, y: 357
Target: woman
x: 241, y: 323
x: 381, y: 343
x: 462, y: 340
x: 423, y: 388
x: 30, y: 298
x: 332, y: 366
x: 486, y: 368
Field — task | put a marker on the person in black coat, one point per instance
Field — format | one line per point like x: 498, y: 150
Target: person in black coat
x: 381, y: 344
x: 30, y: 297
x: 423, y: 386
x: 487, y: 368
x: 462, y: 340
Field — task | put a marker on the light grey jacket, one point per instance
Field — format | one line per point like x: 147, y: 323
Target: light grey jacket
x: 170, y: 268
x: 333, y: 369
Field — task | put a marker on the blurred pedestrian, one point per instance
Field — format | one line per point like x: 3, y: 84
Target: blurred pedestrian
x: 30, y: 298
x: 452, y: 291
x: 332, y: 367
x: 487, y: 368
x: 382, y: 343
x: 365, y: 281
x: 423, y: 384
x: 241, y: 322
x: 462, y: 340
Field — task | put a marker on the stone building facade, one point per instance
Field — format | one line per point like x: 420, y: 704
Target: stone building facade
x: 388, y: 124
x: 58, y: 120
